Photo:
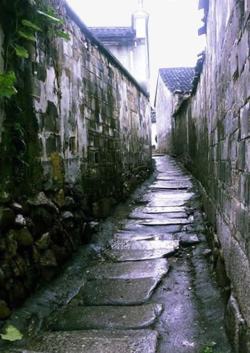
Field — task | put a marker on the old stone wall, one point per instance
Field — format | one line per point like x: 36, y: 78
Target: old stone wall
x: 75, y: 140
x: 212, y: 134
x: 1, y: 70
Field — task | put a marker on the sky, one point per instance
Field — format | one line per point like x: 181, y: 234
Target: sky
x: 173, y: 27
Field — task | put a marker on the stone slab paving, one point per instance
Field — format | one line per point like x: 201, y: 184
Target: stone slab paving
x: 180, y: 179
x: 170, y: 245
x: 165, y: 222
x: 131, y: 290
x: 167, y: 202
x: 105, y: 317
x: 171, y: 185
x: 136, y: 255
x: 97, y: 341
x: 123, y: 235
x: 129, y: 270
x: 160, y: 215
x: 171, y: 195
x: 169, y: 226
x: 118, y: 291
x: 159, y: 210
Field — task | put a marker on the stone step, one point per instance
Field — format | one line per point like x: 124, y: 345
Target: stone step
x: 159, y: 210
x: 168, y: 245
x: 134, y: 236
x: 123, y: 235
x: 137, y: 226
x: 166, y: 215
x: 129, y: 270
x: 165, y: 221
x: 171, y: 195
x: 167, y: 202
x: 105, y: 317
x: 136, y: 255
x: 116, y: 291
x: 176, y: 178
x: 93, y: 341
x: 170, y: 185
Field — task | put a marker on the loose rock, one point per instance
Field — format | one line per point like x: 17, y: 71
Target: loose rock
x: 23, y: 237
x: 7, y: 217
x: 20, y: 220
x: 4, y: 310
x: 44, y: 242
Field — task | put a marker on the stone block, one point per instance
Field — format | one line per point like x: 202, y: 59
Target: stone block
x: 248, y: 155
x: 241, y: 156
x: 232, y: 150
x: 7, y: 217
x: 50, y: 120
x: 234, y: 323
x: 53, y: 144
x: 243, y: 51
x: 24, y: 237
x: 239, y: 273
x: 234, y: 62
x: 247, y: 6
x: 244, y: 340
x: 245, y: 188
x: 245, y: 121
x: 97, y: 341
x: 224, y: 149
x: 224, y: 235
x: 4, y: 310
x: 244, y: 87
x: 242, y: 219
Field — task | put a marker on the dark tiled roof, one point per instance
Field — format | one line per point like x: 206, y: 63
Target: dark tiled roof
x: 113, y: 32
x: 178, y: 78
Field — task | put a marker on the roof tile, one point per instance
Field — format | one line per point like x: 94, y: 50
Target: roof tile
x: 111, y: 32
x: 178, y: 78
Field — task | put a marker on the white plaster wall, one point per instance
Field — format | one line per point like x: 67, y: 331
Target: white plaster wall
x: 164, y: 106
x: 141, y: 64
x: 123, y: 54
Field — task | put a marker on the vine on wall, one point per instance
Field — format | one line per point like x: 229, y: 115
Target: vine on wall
x: 41, y: 17
x: 25, y: 23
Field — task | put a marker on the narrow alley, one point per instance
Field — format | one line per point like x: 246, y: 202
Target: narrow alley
x: 124, y: 176
x: 148, y: 286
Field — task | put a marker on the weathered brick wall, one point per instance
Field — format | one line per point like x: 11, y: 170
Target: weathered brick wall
x: 74, y: 140
x: 213, y: 135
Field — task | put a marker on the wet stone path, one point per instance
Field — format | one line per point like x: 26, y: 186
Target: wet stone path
x: 150, y: 289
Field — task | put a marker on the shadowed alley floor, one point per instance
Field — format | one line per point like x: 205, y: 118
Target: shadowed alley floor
x: 149, y: 288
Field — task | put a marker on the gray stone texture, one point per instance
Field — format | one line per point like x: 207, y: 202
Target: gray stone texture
x: 130, y: 270
x: 217, y: 122
x: 105, y: 317
x: 87, y: 143
x: 117, y: 291
x: 143, y: 341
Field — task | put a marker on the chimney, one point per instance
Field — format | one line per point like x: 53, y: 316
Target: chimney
x: 140, y: 21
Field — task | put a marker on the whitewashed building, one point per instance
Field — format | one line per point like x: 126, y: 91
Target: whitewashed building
x: 130, y: 45
x: 173, y: 85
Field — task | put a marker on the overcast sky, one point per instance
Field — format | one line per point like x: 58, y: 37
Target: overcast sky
x: 173, y: 27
